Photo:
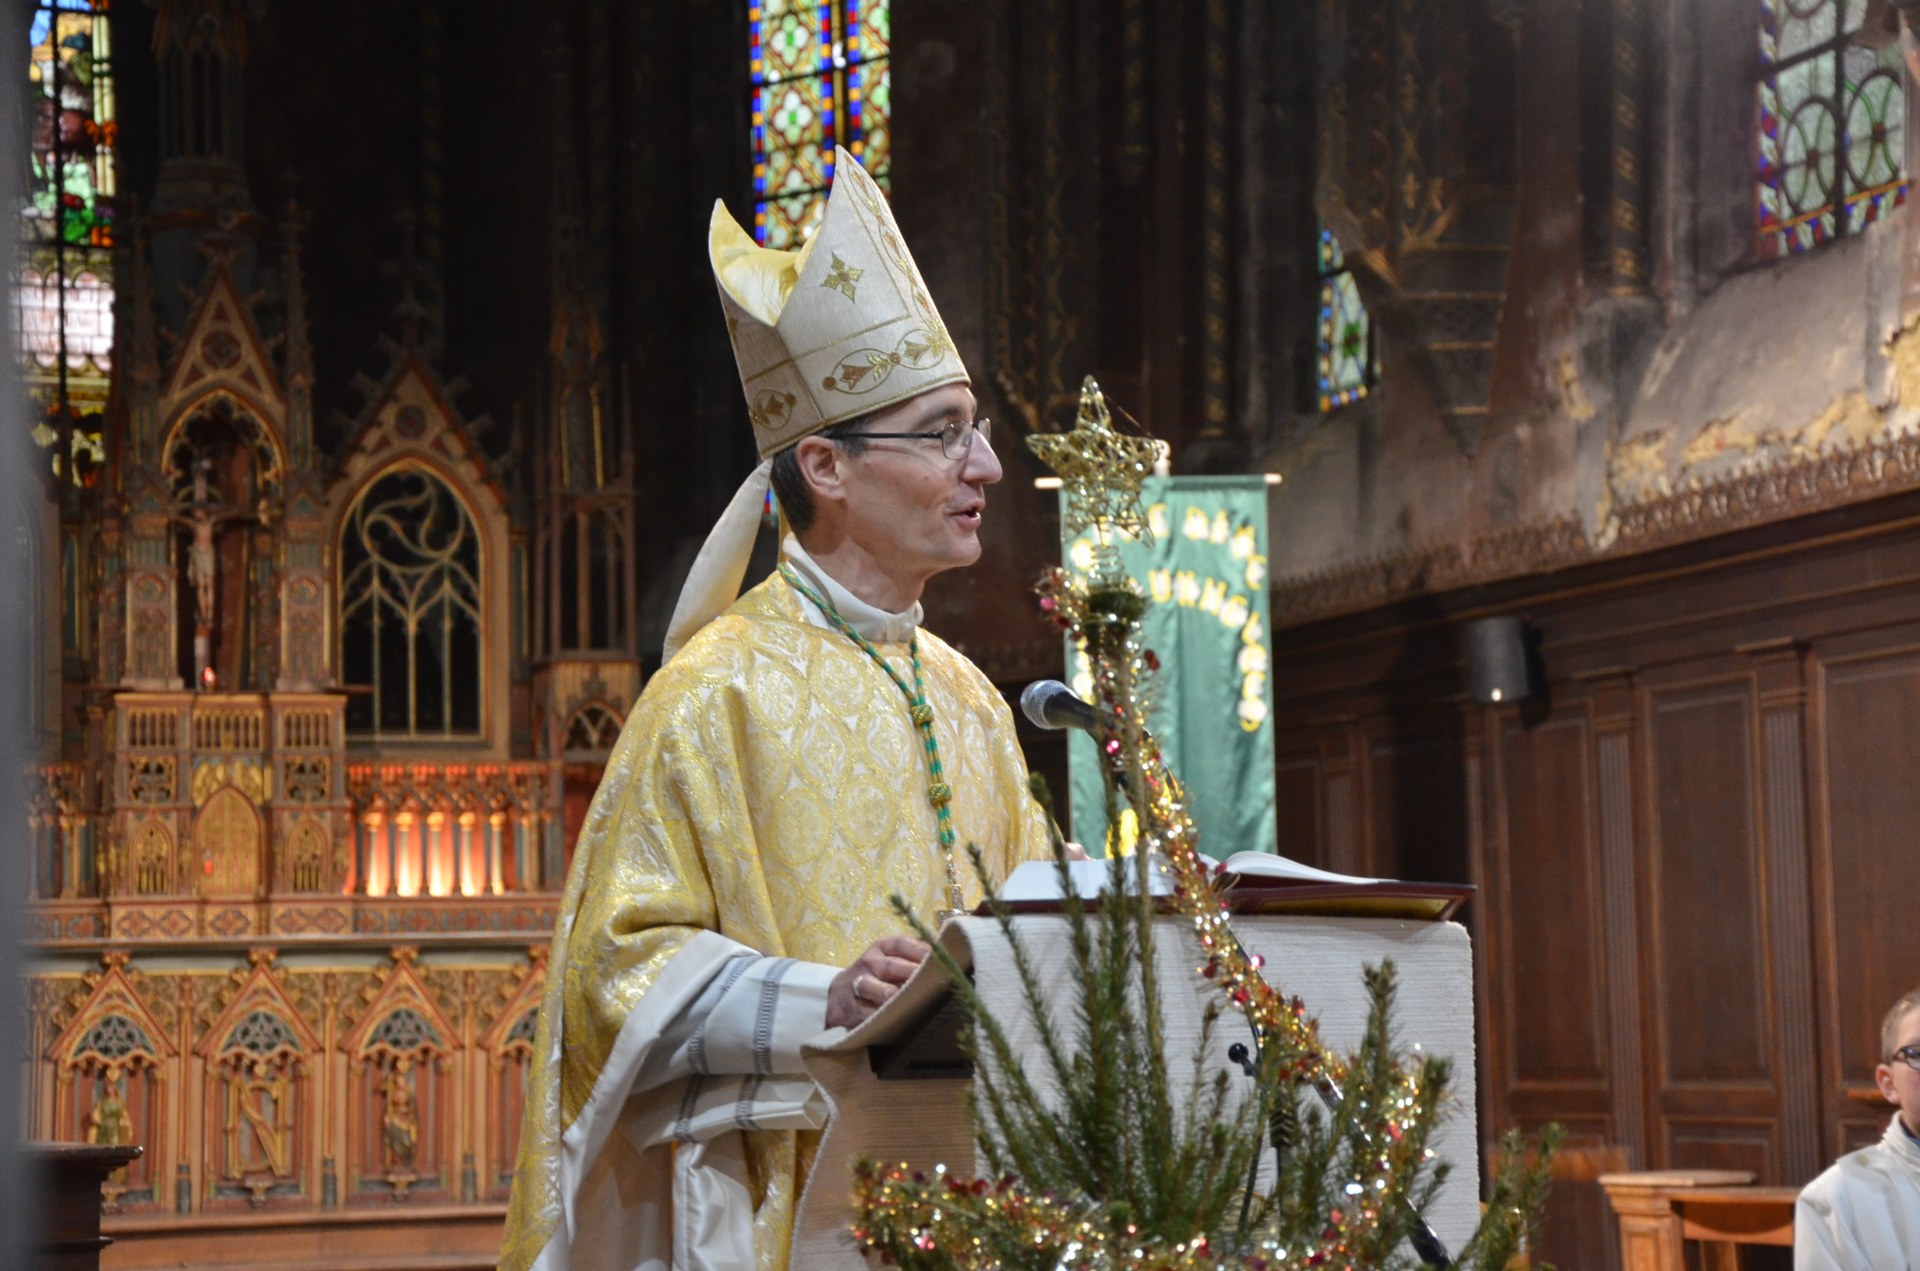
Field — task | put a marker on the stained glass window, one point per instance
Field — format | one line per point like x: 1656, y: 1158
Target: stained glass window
x: 1830, y: 107
x: 64, y: 300
x: 820, y: 75
x: 1346, y: 359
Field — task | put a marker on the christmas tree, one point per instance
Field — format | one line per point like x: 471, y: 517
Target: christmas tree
x: 1121, y: 1165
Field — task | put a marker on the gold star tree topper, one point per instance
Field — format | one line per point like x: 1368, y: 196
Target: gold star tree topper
x: 1100, y: 470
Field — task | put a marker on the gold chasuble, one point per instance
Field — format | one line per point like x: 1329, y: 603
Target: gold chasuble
x: 767, y: 797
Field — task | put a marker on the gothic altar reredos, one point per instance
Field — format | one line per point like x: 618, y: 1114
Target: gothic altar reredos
x: 318, y: 705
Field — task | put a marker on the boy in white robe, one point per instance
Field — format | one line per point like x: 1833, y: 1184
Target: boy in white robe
x: 1863, y: 1214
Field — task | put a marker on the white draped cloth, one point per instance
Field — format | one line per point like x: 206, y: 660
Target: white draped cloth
x: 1863, y: 1214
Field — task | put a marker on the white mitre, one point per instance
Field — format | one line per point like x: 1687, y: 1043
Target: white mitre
x: 838, y: 329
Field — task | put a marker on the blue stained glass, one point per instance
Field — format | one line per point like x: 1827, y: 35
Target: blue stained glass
x: 820, y: 79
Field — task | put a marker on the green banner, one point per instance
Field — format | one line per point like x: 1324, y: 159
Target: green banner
x: 1212, y: 702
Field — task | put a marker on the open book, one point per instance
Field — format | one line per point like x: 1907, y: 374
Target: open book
x: 1255, y: 882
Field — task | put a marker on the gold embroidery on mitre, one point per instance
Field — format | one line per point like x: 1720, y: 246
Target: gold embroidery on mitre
x: 834, y: 360
x: 842, y: 277
x: 771, y: 408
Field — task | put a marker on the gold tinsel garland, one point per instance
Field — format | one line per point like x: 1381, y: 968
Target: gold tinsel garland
x: 940, y: 1219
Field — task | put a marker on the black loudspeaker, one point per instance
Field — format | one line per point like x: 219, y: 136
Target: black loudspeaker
x: 1497, y: 660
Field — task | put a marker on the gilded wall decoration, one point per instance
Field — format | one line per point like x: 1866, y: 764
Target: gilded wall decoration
x: 107, y: 1065
x: 414, y: 1039
x: 401, y: 1145
x: 308, y: 854
x: 152, y: 779
x: 153, y: 866
x: 227, y: 843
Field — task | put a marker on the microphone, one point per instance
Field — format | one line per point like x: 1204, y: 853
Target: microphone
x: 1051, y: 704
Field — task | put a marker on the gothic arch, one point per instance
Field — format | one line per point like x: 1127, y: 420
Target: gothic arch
x: 267, y: 441
x: 410, y: 425
x: 308, y: 850
x: 152, y: 860
x: 410, y: 546
x: 227, y: 838
x: 591, y: 730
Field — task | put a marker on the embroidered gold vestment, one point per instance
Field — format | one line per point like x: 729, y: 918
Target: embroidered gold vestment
x: 769, y: 787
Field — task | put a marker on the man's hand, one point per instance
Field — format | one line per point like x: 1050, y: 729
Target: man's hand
x: 876, y: 976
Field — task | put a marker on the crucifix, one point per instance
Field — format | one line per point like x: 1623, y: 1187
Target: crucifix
x: 203, y: 514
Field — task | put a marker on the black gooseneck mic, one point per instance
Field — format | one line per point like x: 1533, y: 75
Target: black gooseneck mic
x: 1051, y: 704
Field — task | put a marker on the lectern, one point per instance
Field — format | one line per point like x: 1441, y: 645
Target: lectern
x: 896, y: 1093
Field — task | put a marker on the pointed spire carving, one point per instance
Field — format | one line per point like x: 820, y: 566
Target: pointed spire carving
x: 298, y: 355
x: 420, y: 331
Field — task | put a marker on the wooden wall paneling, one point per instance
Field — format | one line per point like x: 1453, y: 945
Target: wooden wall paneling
x: 1417, y: 802
x: 1297, y: 799
x: 1613, y: 699
x: 1544, y: 904
x: 1864, y: 712
x: 1725, y: 1142
x: 1708, y: 957
x: 1779, y: 669
x: 1343, y: 841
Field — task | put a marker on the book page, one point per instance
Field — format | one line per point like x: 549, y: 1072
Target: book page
x: 1266, y: 865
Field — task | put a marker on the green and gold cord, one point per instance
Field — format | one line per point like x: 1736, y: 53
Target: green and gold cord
x: 939, y: 793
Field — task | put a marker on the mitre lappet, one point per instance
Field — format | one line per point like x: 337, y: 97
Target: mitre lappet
x: 836, y: 330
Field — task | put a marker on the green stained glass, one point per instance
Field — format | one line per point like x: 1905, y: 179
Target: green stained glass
x: 820, y: 80
x: 797, y: 171
x: 788, y: 222
x: 875, y: 31
x: 1828, y: 125
x: 790, y: 47
x: 876, y: 153
x: 794, y: 112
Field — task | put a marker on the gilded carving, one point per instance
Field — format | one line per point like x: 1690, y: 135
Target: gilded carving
x: 226, y: 838
x: 151, y: 779
x: 399, y: 1121
x: 153, y: 860
x: 262, y: 1102
x: 306, y: 778
x: 208, y: 775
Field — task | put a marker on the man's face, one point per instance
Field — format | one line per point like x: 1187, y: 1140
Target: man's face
x: 915, y: 511
x: 1899, y: 1083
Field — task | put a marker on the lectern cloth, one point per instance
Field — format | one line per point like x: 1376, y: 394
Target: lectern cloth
x: 1864, y: 1211
x: 925, y: 1122
x: 766, y: 798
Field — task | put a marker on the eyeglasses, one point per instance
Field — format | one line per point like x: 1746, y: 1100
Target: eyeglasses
x: 1908, y: 1055
x: 955, y: 438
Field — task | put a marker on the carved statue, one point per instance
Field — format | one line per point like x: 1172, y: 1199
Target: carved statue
x: 109, y: 1123
x: 400, y: 1126
x: 260, y: 1101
